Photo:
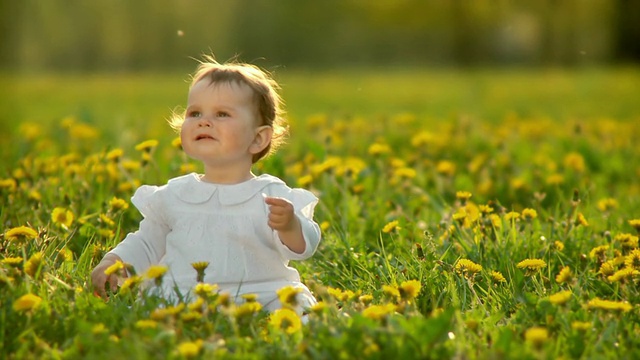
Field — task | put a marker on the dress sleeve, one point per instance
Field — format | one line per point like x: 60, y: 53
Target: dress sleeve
x: 146, y: 246
x: 304, y: 203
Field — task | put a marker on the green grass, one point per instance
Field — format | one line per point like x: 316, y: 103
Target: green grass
x: 389, y: 152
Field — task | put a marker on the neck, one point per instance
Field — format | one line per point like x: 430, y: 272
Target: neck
x: 226, y: 176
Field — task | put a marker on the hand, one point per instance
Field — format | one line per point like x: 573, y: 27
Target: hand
x: 100, y: 280
x: 281, y: 215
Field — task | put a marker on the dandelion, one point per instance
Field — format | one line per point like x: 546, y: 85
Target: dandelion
x: 390, y: 226
x: 318, y: 307
x: 20, y: 234
x: 98, y: 329
x: 598, y: 251
x: 485, y: 209
x: 531, y: 265
x: 565, y: 275
x: 497, y: 277
x: 304, y: 181
x: 463, y: 196
x: 405, y: 173
x: 633, y: 259
x: 467, y: 268
x: 287, y: 296
x: 146, y: 324
x: 378, y: 312
x: 609, y: 305
x: 409, y: 289
x: 247, y: 309
x: 10, y: 184
x: 446, y: 168
x: 365, y: 299
x: 205, y: 290
x: 607, y: 204
x: 529, y: 214
x: 555, y: 179
x: 285, y: 320
x: 147, y: 146
x: 115, y: 155
x: 379, y: 149
x: 13, y: 261
x: 130, y: 284
x: 200, y: 267
x: 156, y: 272
x: 177, y: 143
x: 117, y: 204
x: 627, y: 240
x: 536, y: 336
x: 391, y: 291
x: 189, y: 349
x: 62, y: 217
x: 607, y: 268
x: 512, y: 216
x: 635, y: 223
x: 116, y: 267
x: 581, y: 220
x: 623, y: 274
x: 560, y: 298
x: 34, y: 264
x: 26, y: 303
x: 581, y: 325
x: 105, y: 219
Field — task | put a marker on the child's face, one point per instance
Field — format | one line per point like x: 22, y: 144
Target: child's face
x: 221, y: 124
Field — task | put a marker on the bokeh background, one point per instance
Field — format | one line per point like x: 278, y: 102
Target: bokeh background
x: 147, y: 35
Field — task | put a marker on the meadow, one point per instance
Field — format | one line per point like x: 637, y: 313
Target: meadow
x: 466, y: 214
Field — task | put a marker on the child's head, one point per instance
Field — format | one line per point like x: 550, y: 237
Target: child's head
x: 269, y: 105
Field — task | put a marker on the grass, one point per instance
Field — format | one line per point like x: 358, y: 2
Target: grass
x: 509, y: 199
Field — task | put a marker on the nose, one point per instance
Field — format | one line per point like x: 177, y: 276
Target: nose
x: 204, y: 122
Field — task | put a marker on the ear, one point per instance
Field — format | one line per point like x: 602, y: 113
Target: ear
x: 262, y: 139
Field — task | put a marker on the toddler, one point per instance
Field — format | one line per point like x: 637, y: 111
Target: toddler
x: 246, y: 227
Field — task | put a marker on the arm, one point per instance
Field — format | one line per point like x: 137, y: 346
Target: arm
x: 283, y: 219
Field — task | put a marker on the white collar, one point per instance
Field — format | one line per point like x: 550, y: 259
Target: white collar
x: 190, y: 188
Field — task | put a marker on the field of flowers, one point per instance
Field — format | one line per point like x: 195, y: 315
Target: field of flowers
x: 464, y: 215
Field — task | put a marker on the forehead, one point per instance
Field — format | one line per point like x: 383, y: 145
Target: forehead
x: 236, y: 89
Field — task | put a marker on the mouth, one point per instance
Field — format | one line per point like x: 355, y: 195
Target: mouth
x: 204, y: 137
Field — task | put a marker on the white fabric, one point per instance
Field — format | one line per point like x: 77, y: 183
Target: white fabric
x: 189, y: 220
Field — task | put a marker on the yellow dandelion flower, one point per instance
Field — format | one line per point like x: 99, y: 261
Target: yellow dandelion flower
x: 575, y: 161
x: 190, y: 316
x: 205, y: 289
x: 607, y: 268
x: 390, y: 226
x: 496, y: 221
x: 108, y: 221
x: 34, y: 195
x: 581, y: 325
x: 324, y: 226
x: 378, y: 312
x: 366, y: 299
x: 627, y: 240
x: 446, y: 168
x: 558, y: 245
x: 609, y: 305
x: 12, y: 261
x: 250, y: 297
x: 565, y: 275
x: 463, y: 195
x: 485, y: 209
x: 247, y: 309
x: 598, y: 251
x: 196, y: 305
x: 200, y: 267
x: 20, y: 234
x: 285, y: 320
x: 156, y: 271
x: 115, y: 155
x: 633, y: 259
x: 560, y: 298
x: 405, y: 173
x: 623, y: 274
x: 581, y: 220
x: 607, y: 204
x: 177, y: 143
x: 529, y: 214
x: 34, y: 264
x: 62, y: 217
x: 146, y: 324
x: 318, y: 307
x: 131, y: 283
x: 10, y: 184
x: 190, y: 349
x: 512, y: 216
x: 497, y: 277
x: 410, y: 289
x: 338, y: 294
x: 117, y: 204
x: 635, y: 223
x: 467, y: 268
x: 531, y: 264
x: 26, y: 303
x: 536, y: 336
x: 555, y: 179
x: 288, y: 295
x: 147, y: 145
x: 98, y: 329
x: 116, y: 267
x: 304, y: 181
x: 379, y: 149
x: 391, y: 291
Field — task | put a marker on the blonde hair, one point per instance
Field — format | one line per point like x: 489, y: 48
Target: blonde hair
x: 265, y: 90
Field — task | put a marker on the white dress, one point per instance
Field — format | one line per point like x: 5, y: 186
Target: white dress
x: 189, y: 220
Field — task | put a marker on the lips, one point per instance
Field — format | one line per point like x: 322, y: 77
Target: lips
x: 204, y: 137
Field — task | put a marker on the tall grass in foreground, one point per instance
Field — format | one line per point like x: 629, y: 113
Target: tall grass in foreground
x: 445, y: 237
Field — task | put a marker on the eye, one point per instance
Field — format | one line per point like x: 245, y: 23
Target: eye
x: 222, y: 114
x: 194, y: 114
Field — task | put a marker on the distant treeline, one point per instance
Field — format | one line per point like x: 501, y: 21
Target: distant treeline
x: 124, y: 35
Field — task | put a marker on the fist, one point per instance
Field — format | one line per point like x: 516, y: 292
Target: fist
x: 281, y: 215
